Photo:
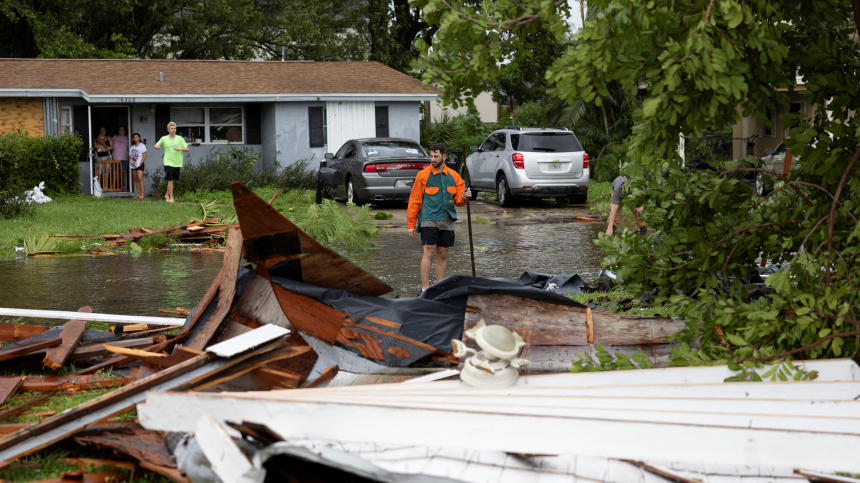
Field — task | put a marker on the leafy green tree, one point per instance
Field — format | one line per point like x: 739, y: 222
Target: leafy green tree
x: 699, y: 60
x: 523, y: 79
x: 184, y: 29
x: 393, y: 26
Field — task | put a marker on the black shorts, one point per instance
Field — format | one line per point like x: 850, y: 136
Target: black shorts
x: 430, y: 235
x: 141, y: 168
x: 171, y: 173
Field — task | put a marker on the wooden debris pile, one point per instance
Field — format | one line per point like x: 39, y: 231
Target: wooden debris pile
x: 194, y: 232
x: 250, y: 333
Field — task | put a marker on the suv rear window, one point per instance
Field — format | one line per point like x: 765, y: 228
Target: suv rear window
x: 546, y: 142
x: 393, y: 149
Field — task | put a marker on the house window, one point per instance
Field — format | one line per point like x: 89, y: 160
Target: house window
x: 318, y: 128
x: 382, y: 122
x: 66, y: 120
x: 215, y: 125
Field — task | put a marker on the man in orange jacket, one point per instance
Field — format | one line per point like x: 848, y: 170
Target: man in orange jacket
x: 435, y: 193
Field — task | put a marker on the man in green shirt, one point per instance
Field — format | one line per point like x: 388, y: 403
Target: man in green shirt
x: 173, y: 146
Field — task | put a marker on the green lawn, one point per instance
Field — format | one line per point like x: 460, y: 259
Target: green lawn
x: 85, y: 215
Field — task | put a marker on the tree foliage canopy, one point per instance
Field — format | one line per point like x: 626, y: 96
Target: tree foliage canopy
x: 704, y: 63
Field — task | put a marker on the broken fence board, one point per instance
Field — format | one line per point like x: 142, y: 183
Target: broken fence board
x: 67, y: 315
x: 514, y: 433
x: 71, y: 335
x: 70, y: 383
x: 226, y: 291
x: 137, y: 442
x: 9, y: 386
x: 14, y: 351
x: 16, y: 411
x: 19, y: 332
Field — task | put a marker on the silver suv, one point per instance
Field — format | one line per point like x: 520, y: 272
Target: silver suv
x: 517, y: 162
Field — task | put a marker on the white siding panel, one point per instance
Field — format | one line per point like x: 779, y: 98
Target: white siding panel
x: 349, y: 120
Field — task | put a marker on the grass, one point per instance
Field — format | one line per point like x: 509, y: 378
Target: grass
x: 84, y: 215
x: 46, y: 465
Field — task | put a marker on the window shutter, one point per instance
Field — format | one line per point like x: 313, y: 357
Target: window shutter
x: 81, y: 123
x: 382, y: 121
x: 253, y: 125
x: 315, y: 122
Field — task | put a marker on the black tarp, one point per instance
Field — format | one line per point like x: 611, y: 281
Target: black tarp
x: 434, y: 318
x: 570, y: 283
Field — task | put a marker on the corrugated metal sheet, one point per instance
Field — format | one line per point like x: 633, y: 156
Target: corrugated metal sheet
x: 51, y: 112
x: 349, y: 120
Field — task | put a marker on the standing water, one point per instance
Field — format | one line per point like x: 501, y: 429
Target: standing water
x: 140, y: 284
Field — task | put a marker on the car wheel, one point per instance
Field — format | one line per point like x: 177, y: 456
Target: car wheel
x: 468, y: 181
x: 351, y: 193
x: 578, y: 199
x: 503, y: 192
x: 760, y: 188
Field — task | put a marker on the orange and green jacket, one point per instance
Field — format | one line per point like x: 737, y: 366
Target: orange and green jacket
x: 434, y: 193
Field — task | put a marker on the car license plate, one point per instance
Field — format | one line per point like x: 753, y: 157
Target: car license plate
x: 554, y: 166
x: 403, y: 183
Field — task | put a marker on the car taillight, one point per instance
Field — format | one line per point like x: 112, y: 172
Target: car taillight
x: 380, y: 168
x: 585, y: 161
x: 518, y: 160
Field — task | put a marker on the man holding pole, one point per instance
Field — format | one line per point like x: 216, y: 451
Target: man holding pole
x: 436, y: 191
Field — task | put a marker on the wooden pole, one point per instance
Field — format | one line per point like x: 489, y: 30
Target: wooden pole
x: 471, y: 243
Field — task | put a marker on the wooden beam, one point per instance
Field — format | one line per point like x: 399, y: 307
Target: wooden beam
x: 19, y: 332
x: 226, y: 291
x: 327, y: 374
x: 71, y: 335
x: 9, y: 386
x: 71, y: 383
x: 63, y: 314
x: 28, y: 347
x: 15, y: 411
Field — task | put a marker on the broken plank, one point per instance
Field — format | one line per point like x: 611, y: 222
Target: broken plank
x: 120, y: 360
x: 226, y: 291
x: 71, y: 335
x: 225, y: 457
x: 16, y: 411
x: 11, y: 428
x: 273, y: 378
x: 99, y: 463
x: 69, y: 422
x: 323, y: 378
x: 28, y: 347
x: 70, y: 383
x: 19, y: 332
x: 9, y: 386
x: 310, y: 317
x: 99, y: 350
x: 282, y: 350
x: 248, y: 340
x: 135, y: 441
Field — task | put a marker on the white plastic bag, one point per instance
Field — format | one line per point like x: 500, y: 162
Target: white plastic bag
x: 37, y: 195
x: 97, y: 188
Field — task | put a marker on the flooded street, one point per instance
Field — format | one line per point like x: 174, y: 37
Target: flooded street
x: 140, y: 284
x: 510, y: 250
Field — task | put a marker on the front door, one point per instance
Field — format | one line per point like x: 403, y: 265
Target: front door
x: 113, y: 173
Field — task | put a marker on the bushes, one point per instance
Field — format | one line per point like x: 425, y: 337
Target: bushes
x: 25, y: 161
x: 455, y: 131
x: 219, y: 169
x: 52, y: 159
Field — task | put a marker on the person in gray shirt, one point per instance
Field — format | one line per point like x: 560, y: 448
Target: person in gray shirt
x: 615, y: 208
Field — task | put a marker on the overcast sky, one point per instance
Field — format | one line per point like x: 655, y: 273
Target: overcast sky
x: 575, y: 20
